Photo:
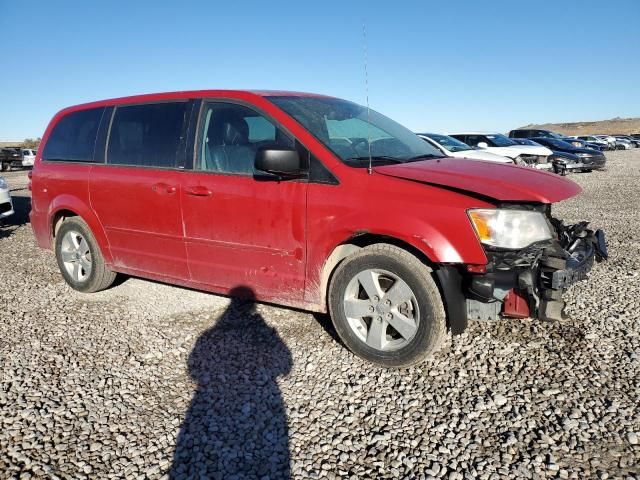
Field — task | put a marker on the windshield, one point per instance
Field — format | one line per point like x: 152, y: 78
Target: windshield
x: 558, y: 143
x: 554, y: 135
x: 450, y: 143
x: 351, y: 132
x: 500, y: 140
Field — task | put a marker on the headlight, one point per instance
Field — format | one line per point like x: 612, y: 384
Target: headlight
x: 509, y: 228
x: 3, y: 183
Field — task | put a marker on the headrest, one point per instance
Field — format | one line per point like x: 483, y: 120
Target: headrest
x: 228, y: 128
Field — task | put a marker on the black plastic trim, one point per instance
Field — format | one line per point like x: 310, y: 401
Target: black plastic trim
x: 100, y: 147
x: 454, y: 299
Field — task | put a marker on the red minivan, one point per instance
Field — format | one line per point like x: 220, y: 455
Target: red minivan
x: 308, y: 201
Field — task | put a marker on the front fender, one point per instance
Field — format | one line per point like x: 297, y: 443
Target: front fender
x: 457, y: 243
x: 459, y: 246
x: 77, y: 206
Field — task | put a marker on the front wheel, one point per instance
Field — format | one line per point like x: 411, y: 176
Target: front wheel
x: 79, y: 258
x: 386, y: 307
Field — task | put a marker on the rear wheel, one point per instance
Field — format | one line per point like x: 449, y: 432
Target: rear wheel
x: 79, y: 258
x: 386, y: 307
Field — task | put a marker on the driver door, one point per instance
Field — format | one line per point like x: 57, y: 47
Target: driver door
x: 242, y: 228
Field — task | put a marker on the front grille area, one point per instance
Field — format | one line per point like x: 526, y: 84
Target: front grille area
x: 5, y: 207
x: 534, y: 159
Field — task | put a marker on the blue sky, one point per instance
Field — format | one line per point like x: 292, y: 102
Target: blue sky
x: 435, y: 66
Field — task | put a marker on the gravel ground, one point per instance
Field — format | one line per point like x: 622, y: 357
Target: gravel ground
x: 148, y: 381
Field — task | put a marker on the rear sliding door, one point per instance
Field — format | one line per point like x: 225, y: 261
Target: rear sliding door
x: 136, y: 191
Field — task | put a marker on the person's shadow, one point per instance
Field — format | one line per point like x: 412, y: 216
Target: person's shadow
x: 236, y: 425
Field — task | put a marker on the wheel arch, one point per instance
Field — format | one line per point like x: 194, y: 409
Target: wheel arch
x: 447, y: 277
x: 354, y: 244
x: 67, y: 206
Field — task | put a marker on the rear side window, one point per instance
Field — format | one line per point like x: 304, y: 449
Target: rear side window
x: 473, y: 140
x: 147, y: 135
x: 73, y: 138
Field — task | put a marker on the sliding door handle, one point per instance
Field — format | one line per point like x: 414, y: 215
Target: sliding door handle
x: 198, y: 191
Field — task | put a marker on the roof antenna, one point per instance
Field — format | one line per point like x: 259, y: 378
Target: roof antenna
x: 366, y: 87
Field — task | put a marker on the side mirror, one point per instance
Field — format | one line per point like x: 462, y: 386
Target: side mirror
x: 278, y: 161
x: 482, y: 145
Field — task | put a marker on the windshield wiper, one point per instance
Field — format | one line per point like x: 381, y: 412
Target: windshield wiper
x: 424, y: 156
x: 374, y: 158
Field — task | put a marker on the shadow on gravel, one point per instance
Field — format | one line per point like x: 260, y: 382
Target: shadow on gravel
x: 236, y: 425
x: 21, y: 207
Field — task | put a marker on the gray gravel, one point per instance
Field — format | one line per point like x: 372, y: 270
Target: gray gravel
x: 151, y: 381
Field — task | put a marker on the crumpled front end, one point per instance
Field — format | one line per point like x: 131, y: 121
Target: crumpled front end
x: 531, y: 282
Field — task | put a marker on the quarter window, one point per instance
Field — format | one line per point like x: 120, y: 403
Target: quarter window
x: 73, y: 138
x: 147, y: 135
x: 232, y: 134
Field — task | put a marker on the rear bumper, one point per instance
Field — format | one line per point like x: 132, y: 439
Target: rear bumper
x: 40, y: 226
x: 531, y: 282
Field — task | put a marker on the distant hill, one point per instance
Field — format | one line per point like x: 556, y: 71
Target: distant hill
x: 615, y: 125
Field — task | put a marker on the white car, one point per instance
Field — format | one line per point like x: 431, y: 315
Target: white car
x: 534, y: 156
x: 593, y: 139
x: 623, y: 144
x: 28, y: 157
x: 609, y: 139
x: 6, y: 206
x: 451, y: 147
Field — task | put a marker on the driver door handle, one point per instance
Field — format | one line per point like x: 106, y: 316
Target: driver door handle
x: 163, y: 188
x: 198, y: 191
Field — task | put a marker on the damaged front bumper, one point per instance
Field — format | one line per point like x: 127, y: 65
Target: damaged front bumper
x: 531, y: 282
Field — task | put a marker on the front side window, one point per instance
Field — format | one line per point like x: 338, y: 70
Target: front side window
x: 231, y: 135
x: 73, y: 138
x: 472, y: 140
x: 147, y: 135
x: 353, y: 134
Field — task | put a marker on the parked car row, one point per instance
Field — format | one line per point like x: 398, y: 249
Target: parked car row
x: 596, y: 142
x: 313, y: 202
x: 16, y: 157
x: 537, y: 149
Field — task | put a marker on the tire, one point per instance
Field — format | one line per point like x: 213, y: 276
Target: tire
x: 6, y: 167
x: 79, y: 258
x: 422, y: 318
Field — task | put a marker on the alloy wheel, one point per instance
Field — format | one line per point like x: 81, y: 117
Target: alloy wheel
x: 76, y: 256
x: 381, y: 309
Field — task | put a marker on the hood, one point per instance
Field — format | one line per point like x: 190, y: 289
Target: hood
x: 513, y: 151
x: 502, y: 182
x: 588, y: 151
x: 566, y: 155
x: 481, y: 155
x: 577, y: 150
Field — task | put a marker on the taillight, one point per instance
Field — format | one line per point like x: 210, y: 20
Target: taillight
x: 30, y: 174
